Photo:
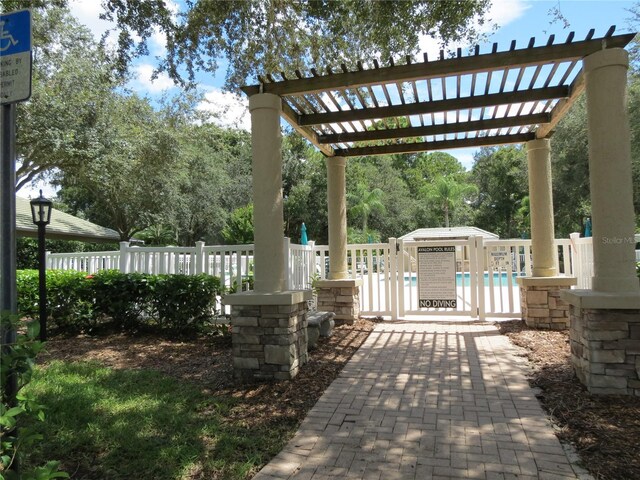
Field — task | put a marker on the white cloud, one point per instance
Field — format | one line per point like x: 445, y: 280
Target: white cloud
x: 464, y: 156
x: 88, y: 13
x: 145, y: 83
x: 227, y: 109
x: 501, y: 13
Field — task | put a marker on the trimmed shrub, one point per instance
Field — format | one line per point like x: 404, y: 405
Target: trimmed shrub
x: 183, y: 302
x: 79, y: 302
x: 69, y: 299
x: 124, y: 297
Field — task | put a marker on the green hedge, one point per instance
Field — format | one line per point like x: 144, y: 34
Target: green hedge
x: 79, y: 302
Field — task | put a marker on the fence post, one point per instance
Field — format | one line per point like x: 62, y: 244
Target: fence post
x: 577, y: 259
x: 480, y: 262
x: 199, y: 258
x: 392, y: 269
x: 400, y: 277
x: 124, y: 257
x: 287, y: 261
x: 310, y: 262
x: 47, y: 260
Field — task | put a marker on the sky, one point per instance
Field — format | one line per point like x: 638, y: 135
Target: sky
x: 517, y: 20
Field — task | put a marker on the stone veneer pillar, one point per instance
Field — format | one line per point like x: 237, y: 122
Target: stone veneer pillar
x: 339, y: 294
x: 540, y: 301
x: 269, y: 334
x: 605, y: 321
x: 269, y: 325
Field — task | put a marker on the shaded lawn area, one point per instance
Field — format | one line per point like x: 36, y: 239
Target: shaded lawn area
x: 147, y: 408
x: 124, y: 424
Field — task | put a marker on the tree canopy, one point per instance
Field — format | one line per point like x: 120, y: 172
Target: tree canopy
x: 252, y: 38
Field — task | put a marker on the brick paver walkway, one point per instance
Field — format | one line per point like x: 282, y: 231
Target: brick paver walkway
x: 422, y: 400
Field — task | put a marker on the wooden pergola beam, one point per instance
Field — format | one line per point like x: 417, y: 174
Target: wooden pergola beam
x: 432, y: 146
x: 442, y: 68
x: 562, y: 107
x: 292, y: 117
x: 471, y: 126
x: 435, y: 106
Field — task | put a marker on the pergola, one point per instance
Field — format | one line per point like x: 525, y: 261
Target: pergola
x: 484, y: 99
x: 499, y: 97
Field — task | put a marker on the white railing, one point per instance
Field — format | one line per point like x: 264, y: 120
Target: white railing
x: 232, y: 263
x: 370, y: 262
x: 89, y: 262
x: 299, y: 265
x: 381, y: 269
x: 582, y: 256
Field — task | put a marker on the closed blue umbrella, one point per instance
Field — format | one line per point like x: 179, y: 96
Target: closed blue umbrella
x: 303, y: 235
x: 587, y: 228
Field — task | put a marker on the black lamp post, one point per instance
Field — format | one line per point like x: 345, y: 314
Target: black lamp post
x: 41, y: 214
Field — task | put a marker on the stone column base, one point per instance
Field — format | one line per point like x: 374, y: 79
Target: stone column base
x: 342, y: 297
x: 540, y: 301
x: 605, y: 342
x: 269, y: 334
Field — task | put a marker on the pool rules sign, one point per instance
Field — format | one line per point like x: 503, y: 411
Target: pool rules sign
x: 437, y: 277
x: 15, y: 57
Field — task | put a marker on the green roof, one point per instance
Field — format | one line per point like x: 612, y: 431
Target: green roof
x: 63, y: 226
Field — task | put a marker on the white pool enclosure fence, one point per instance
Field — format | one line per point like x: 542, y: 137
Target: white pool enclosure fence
x: 485, y: 269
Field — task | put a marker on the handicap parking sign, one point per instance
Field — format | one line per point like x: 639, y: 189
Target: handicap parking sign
x: 15, y: 56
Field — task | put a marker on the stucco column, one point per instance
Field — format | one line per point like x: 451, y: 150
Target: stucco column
x: 268, y: 217
x: 610, y: 172
x: 541, y: 207
x: 337, y: 210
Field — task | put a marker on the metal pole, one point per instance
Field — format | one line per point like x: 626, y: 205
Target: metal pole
x: 42, y: 281
x: 8, y: 292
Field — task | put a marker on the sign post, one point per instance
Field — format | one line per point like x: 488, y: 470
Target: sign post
x: 15, y: 86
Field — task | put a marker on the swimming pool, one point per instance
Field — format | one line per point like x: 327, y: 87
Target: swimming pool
x: 464, y: 279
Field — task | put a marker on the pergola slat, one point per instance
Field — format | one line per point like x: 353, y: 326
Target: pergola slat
x: 436, y: 106
x: 475, y: 125
x: 338, y: 117
x: 446, y: 67
x: 435, y: 145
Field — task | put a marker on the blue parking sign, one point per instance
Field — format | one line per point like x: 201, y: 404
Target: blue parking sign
x: 15, y: 32
x: 15, y: 56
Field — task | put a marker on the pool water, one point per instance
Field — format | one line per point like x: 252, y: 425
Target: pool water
x: 463, y: 279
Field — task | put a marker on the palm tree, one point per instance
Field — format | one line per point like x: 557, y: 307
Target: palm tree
x: 448, y: 194
x: 365, y: 202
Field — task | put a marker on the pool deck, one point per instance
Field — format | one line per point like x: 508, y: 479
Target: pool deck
x: 427, y: 400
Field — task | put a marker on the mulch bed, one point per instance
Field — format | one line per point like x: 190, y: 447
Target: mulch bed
x: 605, y: 430
x: 208, y: 362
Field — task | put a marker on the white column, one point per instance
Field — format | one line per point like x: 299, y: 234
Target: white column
x: 610, y: 172
x: 541, y: 208
x: 268, y: 217
x: 337, y: 211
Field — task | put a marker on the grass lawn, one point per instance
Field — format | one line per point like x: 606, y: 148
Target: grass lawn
x: 142, y: 407
x: 106, y: 423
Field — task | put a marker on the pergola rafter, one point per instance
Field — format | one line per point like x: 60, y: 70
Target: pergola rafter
x: 493, y: 98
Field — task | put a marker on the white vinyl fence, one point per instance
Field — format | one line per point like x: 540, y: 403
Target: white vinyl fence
x: 486, y: 269
x: 232, y: 263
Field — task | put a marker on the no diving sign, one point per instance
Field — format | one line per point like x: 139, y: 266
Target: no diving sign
x: 15, y: 56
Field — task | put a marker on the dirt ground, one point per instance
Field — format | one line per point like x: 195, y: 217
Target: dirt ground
x: 605, y: 430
